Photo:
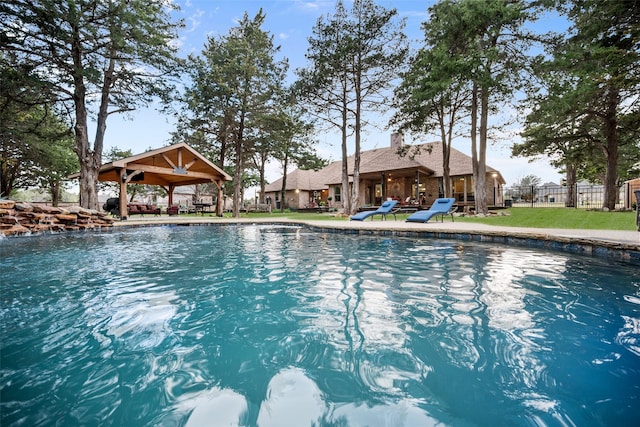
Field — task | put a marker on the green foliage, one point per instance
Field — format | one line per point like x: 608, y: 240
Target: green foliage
x: 471, y: 64
x: 92, y: 56
x: 585, y: 114
x: 36, y: 149
x: 236, y: 82
x: 354, y: 56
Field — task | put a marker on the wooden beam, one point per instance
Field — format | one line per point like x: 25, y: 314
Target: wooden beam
x: 191, y: 163
x: 164, y: 156
x: 132, y: 175
x: 168, y: 171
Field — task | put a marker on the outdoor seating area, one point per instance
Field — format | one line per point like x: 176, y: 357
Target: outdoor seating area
x: 258, y: 207
x: 142, y: 209
x: 111, y: 206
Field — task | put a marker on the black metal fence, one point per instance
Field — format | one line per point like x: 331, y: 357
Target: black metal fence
x: 580, y: 196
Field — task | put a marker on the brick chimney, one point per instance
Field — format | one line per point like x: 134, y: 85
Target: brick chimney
x: 397, y: 140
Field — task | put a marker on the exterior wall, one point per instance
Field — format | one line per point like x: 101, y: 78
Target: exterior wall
x: 431, y: 191
x: 399, y: 189
x: 295, y: 199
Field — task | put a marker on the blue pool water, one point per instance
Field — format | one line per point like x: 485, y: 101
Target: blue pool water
x: 280, y: 326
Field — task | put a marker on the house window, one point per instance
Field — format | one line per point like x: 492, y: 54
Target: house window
x: 463, y: 189
x: 337, y: 192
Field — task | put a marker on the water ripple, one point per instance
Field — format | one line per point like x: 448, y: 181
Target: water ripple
x: 259, y: 325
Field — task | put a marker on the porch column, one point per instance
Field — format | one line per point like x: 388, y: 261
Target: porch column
x: 464, y: 190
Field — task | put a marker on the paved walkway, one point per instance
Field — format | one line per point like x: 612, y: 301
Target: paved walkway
x: 628, y: 239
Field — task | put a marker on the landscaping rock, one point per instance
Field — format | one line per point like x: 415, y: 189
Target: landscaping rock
x: 24, y: 218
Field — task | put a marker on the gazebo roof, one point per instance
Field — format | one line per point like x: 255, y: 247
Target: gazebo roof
x: 174, y: 165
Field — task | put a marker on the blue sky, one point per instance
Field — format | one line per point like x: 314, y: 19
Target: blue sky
x: 291, y: 23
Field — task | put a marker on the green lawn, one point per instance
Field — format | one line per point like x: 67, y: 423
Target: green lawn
x: 561, y: 218
x: 518, y: 217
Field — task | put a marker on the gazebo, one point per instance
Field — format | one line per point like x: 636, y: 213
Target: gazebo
x: 168, y: 167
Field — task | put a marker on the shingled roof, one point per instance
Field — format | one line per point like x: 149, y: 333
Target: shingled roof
x: 425, y: 158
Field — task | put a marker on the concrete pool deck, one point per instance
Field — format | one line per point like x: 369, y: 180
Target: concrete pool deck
x: 611, y: 243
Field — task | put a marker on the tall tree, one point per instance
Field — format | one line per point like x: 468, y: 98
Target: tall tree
x: 236, y: 82
x: 36, y: 150
x: 484, y: 44
x: 324, y: 86
x: 95, y: 57
x: 292, y: 139
x: 432, y: 98
x: 598, y: 104
x: 355, y: 55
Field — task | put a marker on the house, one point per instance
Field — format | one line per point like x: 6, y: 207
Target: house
x: 411, y: 174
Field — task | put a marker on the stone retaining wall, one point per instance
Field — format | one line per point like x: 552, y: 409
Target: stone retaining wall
x: 23, y: 218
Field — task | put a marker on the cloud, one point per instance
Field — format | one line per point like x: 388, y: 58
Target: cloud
x: 194, y: 20
x: 314, y: 6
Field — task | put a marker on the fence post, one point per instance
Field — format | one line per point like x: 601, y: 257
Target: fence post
x: 532, y: 194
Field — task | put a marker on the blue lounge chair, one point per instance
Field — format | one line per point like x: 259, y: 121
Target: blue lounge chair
x: 440, y: 207
x: 383, y: 210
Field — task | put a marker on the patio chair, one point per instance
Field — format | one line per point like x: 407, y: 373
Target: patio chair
x: 441, y: 207
x: 384, y: 210
x: 172, y: 210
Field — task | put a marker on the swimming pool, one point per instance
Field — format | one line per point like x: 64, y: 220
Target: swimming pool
x: 275, y: 326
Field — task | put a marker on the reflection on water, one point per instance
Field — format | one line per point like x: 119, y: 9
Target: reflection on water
x: 264, y: 326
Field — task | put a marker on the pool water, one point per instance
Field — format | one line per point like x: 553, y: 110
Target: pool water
x: 262, y: 325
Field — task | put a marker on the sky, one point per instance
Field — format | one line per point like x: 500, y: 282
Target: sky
x: 291, y: 23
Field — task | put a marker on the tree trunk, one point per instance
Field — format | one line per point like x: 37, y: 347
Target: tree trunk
x: 237, y: 175
x: 355, y: 198
x: 55, y: 193
x: 283, y: 190
x: 611, y: 150
x: 446, y: 138
x: 474, y: 132
x: 480, y: 182
x: 346, y: 196
x: 89, y: 160
x: 572, y: 178
x: 237, y: 180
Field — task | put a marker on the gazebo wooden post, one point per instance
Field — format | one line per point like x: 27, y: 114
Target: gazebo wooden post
x: 123, y: 194
x: 171, y: 188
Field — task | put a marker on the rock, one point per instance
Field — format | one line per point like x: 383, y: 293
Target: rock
x: 67, y: 218
x: 81, y: 211
x: 16, y: 230
x: 7, y: 204
x: 47, y: 209
x: 9, y: 220
x: 23, y: 207
x: 23, y: 218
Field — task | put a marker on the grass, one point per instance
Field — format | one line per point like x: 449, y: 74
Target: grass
x: 518, y: 217
x: 561, y: 218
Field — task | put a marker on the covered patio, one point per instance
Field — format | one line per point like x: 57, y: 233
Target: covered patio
x: 168, y: 167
